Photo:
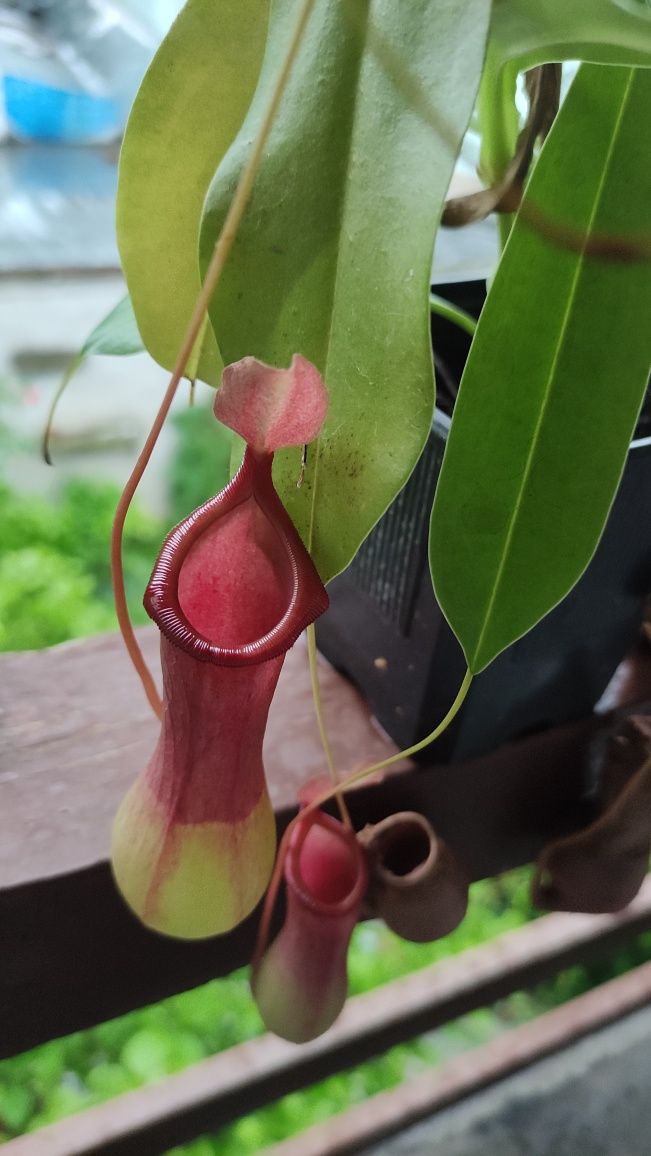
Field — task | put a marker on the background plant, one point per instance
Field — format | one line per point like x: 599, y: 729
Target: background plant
x: 55, y: 580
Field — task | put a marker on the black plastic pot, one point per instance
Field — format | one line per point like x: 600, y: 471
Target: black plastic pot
x: 385, y: 630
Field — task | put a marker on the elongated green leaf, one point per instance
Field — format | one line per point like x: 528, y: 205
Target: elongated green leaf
x: 189, y: 107
x: 333, y: 258
x: 554, y: 380
x: 117, y: 334
x: 600, y: 31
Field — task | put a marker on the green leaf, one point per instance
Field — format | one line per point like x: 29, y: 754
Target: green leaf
x: 554, y: 380
x: 117, y: 335
x: 189, y: 107
x: 16, y: 1107
x: 599, y: 31
x: 334, y: 254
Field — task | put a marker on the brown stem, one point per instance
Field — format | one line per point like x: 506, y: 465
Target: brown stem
x: 543, y: 86
x: 604, y: 246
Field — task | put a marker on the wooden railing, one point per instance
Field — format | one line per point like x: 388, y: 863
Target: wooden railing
x: 75, y: 731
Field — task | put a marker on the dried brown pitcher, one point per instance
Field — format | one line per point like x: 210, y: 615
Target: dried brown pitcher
x: 417, y: 886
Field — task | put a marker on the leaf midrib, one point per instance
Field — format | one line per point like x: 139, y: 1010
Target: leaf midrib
x: 335, y: 279
x: 548, y: 392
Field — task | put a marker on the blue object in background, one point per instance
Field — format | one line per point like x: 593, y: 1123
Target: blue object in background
x: 37, y: 111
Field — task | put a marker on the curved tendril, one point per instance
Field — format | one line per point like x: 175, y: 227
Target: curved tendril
x: 194, y: 333
x: 70, y: 372
x: 359, y: 776
x: 117, y: 533
x: 452, y: 313
x: 271, y: 895
x: 343, y: 784
x: 323, y: 733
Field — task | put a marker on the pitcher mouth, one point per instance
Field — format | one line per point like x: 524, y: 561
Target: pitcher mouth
x: 352, y: 892
x: 306, y: 595
x: 403, y: 848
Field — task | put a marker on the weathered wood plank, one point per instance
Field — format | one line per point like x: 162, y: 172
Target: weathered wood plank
x: 75, y: 732
x: 210, y: 1094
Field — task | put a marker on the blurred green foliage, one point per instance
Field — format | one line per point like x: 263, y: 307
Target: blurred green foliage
x: 55, y: 580
x: 55, y: 585
x: 201, y: 464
